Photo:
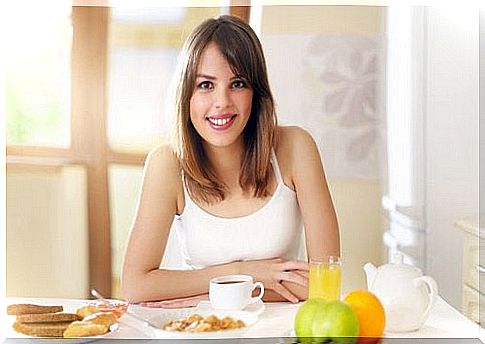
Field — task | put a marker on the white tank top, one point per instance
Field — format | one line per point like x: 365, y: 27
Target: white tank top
x: 275, y: 230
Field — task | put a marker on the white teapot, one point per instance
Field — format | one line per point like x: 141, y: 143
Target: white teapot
x: 407, y: 295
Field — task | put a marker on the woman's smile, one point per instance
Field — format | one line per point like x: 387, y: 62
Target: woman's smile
x: 222, y: 121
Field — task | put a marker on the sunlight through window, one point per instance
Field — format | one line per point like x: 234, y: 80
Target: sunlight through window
x: 38, y: 58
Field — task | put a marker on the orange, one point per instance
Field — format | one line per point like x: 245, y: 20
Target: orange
x: 369, y: 311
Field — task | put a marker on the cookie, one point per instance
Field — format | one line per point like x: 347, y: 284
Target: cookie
x: 47, y: 317
x: 46, y: 329
x: 26, y: 308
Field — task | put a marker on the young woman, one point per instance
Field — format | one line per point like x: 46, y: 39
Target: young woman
x: 239, y: 187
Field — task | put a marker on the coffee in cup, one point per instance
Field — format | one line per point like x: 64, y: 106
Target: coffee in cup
x: 233, y: 292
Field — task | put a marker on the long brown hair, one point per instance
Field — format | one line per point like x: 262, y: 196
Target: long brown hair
x: 242, y: 49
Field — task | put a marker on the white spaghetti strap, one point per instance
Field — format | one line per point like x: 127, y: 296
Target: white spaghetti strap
x: 187, y: 198
x: 276, y: 167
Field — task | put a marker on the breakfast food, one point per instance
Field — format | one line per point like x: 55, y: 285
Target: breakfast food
x: 46, y: 329
x: 46, y: 317
x: 369, y: 311
x: 50, y: 321
x: 86, y: 311
x: 102, y: 318
x: 84, y: 329
x: 25, y: 308
x: 197, y: 323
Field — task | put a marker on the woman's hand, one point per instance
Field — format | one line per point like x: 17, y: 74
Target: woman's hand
x: 184, y: 302
x: 272, y: 272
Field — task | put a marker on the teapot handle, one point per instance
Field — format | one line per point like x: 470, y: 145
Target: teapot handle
x: 432, y: 294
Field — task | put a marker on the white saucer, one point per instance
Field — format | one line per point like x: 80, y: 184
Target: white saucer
x: 254, y: 308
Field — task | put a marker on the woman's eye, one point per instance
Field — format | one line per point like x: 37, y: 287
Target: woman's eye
x: 238, y: 84
x: 205, y: 85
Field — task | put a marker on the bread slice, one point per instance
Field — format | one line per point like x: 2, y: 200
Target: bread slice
x: 86, y: 311
x: 102, y: 318
x: 46, y: 329
x: 84, y: 329
x: 26, y: 308
x: 47, y: 317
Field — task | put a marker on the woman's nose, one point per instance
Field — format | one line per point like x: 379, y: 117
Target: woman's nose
x: 222, y: 98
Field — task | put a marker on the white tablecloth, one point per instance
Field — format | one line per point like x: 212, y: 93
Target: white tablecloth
x: 275, y: 322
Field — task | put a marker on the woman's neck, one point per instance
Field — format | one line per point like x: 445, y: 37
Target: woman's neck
x: 226, y: 162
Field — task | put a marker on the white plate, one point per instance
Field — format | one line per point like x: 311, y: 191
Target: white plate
x: 57, y: 340
x: 169, y: 315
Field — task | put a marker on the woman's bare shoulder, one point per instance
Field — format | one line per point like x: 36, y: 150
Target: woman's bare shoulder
x: 292, y: 140
x: 162, y: 169
x: 163, y: 157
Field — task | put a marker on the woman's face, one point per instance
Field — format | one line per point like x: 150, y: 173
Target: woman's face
x: 221, y: 102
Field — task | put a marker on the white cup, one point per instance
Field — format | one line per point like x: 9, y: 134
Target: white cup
x: 233, y: 292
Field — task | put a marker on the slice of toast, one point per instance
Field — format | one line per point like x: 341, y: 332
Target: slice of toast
x: 25, y: 308
x: 47, y: 329
x: 47, y: 317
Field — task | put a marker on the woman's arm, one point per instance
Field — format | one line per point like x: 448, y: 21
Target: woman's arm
x: 308, y: 177
x: 303, y: 172
x: 270, y: 295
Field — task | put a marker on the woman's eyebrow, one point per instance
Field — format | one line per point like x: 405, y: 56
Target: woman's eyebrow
x: 210, y: 77
x: 206, y: 76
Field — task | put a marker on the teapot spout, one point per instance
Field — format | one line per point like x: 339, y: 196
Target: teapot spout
x: 370, y: 272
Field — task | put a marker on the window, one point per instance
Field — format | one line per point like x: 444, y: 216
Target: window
x: 38, y: 76
x: 85, y: 87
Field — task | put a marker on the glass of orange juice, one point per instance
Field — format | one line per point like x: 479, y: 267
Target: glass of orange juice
x: 325, y: 278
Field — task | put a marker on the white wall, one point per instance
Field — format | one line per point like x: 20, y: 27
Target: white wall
x: 451, y: 140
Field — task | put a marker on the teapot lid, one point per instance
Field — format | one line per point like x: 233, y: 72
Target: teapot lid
x: 397, y: 265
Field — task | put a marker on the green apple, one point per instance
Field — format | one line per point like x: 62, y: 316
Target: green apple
x: 333, y: 322
x: 337, y: 322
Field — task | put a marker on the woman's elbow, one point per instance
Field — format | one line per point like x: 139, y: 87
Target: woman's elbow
x: 130, y: 294
x: 131, y: 290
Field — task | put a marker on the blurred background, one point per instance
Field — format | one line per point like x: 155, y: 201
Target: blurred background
x: 390, y: 94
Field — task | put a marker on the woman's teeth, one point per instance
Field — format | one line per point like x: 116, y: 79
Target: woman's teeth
x: 219, y: 121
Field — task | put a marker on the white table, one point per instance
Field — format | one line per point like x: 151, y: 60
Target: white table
x: 275, y: 324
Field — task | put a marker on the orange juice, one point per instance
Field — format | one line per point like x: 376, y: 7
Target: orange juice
x: 325, y: 279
